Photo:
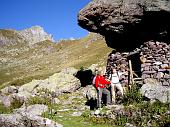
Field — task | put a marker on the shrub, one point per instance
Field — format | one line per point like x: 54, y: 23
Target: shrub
x: 132, y: 96
x: 39, y: 100
x: 81, y: 68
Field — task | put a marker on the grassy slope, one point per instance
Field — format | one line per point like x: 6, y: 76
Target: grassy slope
x: 21, y: 63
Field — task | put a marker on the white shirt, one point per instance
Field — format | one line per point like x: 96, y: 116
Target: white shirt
x: 115, y: 77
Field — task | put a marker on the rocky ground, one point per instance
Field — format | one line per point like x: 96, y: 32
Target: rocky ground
x: 64, y: 100
x: 61, y: 101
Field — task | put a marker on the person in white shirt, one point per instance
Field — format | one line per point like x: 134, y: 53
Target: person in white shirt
x: 115, y: 83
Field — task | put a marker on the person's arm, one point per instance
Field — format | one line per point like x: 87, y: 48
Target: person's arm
x: 110, y: 77
x: 120, y: 73
x: 105, y: 81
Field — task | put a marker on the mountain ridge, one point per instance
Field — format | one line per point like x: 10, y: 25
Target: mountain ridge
x: 30, y: 35
x: 20, y: 62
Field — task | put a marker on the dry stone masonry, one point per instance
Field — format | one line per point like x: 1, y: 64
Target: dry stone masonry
x: 152, y: 60
x: 157, y: 56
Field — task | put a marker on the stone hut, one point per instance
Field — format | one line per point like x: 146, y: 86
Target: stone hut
x: 128, y: 24
x: 151, y: 60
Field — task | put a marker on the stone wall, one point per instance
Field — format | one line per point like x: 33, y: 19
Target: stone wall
x: 118, y: 61
x: 154, y: 58
x: 157, y: 60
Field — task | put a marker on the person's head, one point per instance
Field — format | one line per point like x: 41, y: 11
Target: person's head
x: 96, y: 71
x: 114, y: 70
x: 100, y: 72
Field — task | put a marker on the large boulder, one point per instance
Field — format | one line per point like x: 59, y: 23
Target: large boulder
x: 89, y: 92
x: 29, y: 87
x: 64, y: 82
x: 127, y: 23
x: 27, y: 117
x: 158, y: 92
x: 6, y: 100
x: 58, y: 82
x: 12, y: 99
x: 36, y: 109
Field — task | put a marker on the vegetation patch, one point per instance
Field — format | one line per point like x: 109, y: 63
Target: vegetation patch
x: 137, y: 111
x: 14, y: 105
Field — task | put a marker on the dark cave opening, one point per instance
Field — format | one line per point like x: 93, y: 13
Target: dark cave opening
x: 85, y: 77
x: 136, y: 64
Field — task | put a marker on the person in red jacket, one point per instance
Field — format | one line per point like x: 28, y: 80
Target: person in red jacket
x: 101, y: 83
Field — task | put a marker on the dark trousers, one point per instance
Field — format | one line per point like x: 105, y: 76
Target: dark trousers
x: 99, y: 96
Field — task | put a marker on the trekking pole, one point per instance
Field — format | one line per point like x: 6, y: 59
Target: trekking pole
x: 131, y: 72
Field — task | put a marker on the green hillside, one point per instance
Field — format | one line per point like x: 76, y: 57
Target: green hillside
x: 20, y: 63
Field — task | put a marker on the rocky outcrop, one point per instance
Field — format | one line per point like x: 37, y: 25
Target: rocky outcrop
x: 127, y: 23
x: 58, y: 83
x: 154, y: 92
x: 55, y: 85
x: 27, y: 116
x: 10, y: 37
x: 31, y: 36
x: 35, y: 34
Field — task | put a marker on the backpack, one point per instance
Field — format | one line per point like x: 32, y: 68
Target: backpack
x: 94, y: 80
x: 117, y: 76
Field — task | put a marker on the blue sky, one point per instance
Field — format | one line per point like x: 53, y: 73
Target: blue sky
x: 57, y: 17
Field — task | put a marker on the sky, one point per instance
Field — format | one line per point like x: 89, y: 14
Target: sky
x: 57, y: 17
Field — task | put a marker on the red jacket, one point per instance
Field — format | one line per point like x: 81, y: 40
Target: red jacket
x: 101, y: 82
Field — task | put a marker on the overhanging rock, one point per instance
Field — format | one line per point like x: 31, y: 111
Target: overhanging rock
x: 126, y: 24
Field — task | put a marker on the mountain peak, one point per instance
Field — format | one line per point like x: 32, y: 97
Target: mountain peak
x: 31, y: 35
x: 35, y: 34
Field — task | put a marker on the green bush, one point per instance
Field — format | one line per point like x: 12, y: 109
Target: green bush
x: 81, y: 68
x: 39, y: 100
x: 132, y: 96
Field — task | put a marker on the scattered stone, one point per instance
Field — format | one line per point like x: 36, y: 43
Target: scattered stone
x: 129, y: 125
x: 152, y: 101
x: 22, y: 95
x: 56, y: 101
x: 63, y: 110
x: 9, y: 90
x: 77, y: 114
x: 7, y: 100
x: 36, y: 110
x: 27, y: 116
x: 97, y: 112
x: 110, y: 115
x: 168, y: 112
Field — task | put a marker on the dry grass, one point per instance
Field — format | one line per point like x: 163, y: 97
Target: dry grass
x: 23, y: 63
